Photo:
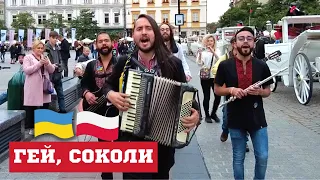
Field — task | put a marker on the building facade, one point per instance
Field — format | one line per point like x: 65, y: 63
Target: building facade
x: 194, y: 11
x: 2, y: 9
x: 108, y: 13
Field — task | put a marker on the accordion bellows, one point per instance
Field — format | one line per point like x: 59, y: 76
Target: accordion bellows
x: 157, y: 106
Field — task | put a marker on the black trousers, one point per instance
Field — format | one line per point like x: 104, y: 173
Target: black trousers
x: 207, y: 85
x: 165, y: 163
x: 29, y: 124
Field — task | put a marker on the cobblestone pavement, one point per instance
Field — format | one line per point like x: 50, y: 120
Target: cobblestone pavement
x: 294, y: 142
x: 294, y: 139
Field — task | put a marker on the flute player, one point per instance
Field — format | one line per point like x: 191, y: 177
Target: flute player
x: 245, y: 114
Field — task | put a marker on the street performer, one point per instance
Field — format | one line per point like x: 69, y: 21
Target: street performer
x: 153, y: 54
x: 95, y: 75
x: 245, y: 114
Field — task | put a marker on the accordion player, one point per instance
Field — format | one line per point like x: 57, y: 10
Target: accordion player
x: 157, y: 105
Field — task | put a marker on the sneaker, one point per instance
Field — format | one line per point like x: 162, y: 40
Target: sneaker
x: 31, y: 132
x: 215, y: 118
x: 208, y: 119
x: 223, y: 137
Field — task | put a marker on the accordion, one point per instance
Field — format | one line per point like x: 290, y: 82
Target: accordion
x: 157, y: 106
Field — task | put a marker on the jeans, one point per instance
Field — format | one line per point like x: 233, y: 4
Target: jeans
x: 260, y: 145
x: 59, y: 90
x: 207, y: 85
x: 65, y: 67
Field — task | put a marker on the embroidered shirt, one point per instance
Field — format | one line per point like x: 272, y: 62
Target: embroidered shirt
x: 244, y: 75
x: 100, y: 73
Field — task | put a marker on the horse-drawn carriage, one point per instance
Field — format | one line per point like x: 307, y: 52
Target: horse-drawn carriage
x: 300, y: 48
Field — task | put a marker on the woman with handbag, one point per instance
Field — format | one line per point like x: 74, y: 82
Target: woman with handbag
x: 37, y: 87
x: 206, y: 59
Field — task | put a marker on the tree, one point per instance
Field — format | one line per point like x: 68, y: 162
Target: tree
x: 23, y: 21
x: 85, y: 26
x: 55, y: 21
x: 212, y: 27
x: 2, y: 24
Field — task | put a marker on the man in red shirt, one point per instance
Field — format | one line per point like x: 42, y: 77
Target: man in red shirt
x: 236, y: 77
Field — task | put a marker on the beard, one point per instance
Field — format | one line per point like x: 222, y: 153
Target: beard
x: 147, y: 50
x: 166, y: 37
x: 103, y: 51
x: 246, y: 52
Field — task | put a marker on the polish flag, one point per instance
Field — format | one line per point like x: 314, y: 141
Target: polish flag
x: 105, y: 128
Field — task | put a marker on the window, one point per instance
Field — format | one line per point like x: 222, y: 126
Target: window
x: 165, y: 1
x: 59, y: 1
x: 1, y: 11
x: 23, y: 2
x: 87, y: 1
x: 41, y: 19
x: 69, y: 1
x: 69, y: 17
x: 150, y: 1
x: 195, y: 17
x: 14, y: 18
x: 60, y: 18
x: 135, y: 17
x: 106, y: 18
x: 116, y: 1
x: 14, y: 2
x: 42, y: 2
x: 106, y: 1
x: 165, y: 18
x: 116, y: 17
x: 184, y: 17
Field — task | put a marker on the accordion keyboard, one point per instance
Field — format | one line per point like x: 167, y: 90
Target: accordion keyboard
x: 132, y: 89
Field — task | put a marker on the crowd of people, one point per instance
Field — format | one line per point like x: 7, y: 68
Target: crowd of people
x: 232, y: 74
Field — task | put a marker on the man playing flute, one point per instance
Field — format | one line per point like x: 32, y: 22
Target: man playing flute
x: 237, y: 77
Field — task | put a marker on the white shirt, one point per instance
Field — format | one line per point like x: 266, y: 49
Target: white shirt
x: 180, y: 55
x: 205, y: 60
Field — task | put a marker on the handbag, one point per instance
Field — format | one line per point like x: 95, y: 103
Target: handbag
x: 47, y: 85
x: 205, y: 72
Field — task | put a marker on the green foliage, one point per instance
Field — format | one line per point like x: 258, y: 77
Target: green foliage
x: 211, y: 27
x: 23, y: 21
x: 273, y: 11
x: 85, y: 26
x: 55, y: 21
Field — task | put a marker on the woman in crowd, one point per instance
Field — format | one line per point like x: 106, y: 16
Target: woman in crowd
x: 207, y: 58
x: 37, y: 68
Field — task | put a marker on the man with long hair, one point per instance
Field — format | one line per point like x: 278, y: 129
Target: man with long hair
x: 166, y: 31
x: 237, y: 77
x: 153, y: 54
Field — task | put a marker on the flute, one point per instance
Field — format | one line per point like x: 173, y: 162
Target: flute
x: 232, y: 98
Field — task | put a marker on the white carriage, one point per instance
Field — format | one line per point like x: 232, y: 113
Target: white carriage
x: 300, y: 54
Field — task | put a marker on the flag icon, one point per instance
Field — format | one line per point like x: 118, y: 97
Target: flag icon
x: 49, y: 122
x: 105, y: 128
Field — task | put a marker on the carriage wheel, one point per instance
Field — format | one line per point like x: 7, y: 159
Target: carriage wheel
x: 273, y: 86
x: 302, y: 78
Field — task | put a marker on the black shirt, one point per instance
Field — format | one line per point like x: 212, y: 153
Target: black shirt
x: 246, y: 113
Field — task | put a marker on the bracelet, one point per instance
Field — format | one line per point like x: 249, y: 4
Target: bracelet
x: 84, y: 94
x: 231, y: 90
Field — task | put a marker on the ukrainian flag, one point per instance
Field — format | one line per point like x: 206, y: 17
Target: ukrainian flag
x: 50, y: 122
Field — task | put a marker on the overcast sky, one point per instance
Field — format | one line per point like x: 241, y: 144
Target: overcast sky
x: 216, y: 8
